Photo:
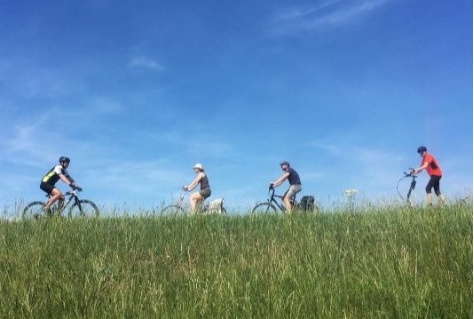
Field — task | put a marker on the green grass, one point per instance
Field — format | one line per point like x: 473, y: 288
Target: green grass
x: 377, y: 263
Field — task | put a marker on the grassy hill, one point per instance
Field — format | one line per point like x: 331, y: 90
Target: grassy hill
x: 374, y: 263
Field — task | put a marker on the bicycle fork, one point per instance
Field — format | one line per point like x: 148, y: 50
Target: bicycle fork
x: 412, y: 187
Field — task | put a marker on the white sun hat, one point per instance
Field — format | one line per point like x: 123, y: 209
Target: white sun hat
x: 199, y: 166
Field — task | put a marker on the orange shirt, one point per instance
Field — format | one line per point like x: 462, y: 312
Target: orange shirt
x: 433, y: 167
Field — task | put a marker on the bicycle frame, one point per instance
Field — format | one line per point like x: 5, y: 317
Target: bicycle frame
x: 215, y: 206
x: 72, y: 196
x: 412, y: 186
x: 77, y: 207
x: 281, y: 205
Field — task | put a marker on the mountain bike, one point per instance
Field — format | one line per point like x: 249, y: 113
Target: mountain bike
x: 412, y: 186
x: 76, y: 207
x: 271, y: 206
x: 180, y: 207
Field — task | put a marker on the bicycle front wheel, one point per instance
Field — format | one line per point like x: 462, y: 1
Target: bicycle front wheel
x: 33, y: 210
x: 84, y: 208
x: 172, y: 210
x: 264, y: 208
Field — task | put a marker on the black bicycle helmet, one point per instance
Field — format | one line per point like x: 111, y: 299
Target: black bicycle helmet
x: 285, y: 163
x: 421, y: 149
x: 64, y: 159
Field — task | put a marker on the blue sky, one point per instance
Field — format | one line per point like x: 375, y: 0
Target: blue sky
x: 136, y: 92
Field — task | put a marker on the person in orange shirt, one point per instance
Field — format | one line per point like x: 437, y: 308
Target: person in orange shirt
x: 434, y: 170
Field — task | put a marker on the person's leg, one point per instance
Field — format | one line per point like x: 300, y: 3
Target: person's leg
x: 429, y: 198
x: 429, y: 186
x: 55, y: 195
x: 292, y: 191
x: 53, y: 192
x: 195, y: 200
x: 287, y: 202
x: 437, y: 190
x: 441, y: 199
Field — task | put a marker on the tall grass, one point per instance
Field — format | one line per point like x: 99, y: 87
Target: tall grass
x: 379, y: 263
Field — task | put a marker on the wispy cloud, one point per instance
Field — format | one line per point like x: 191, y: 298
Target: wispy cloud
x: 324, y: 14
x: 363, y: 156
x: 31, y: 139
x: 368, y: 168
x: 23, y: 142
x: 143, y: 62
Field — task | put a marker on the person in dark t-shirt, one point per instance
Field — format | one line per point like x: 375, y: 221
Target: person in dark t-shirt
x: 293, y: 178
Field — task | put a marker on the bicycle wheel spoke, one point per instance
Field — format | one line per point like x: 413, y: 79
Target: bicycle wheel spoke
x: 172, y: 210
x: 33, y: 210
x: 264, y: 208
x: 84, y: 208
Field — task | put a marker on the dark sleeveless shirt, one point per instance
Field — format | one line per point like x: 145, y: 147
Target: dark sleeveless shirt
x: 205, y: 183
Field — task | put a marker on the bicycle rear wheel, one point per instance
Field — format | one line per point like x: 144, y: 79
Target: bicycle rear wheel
x: 84, y: 208
x: 172, y: 210
x: 33, y: 210
x: 264, y: 208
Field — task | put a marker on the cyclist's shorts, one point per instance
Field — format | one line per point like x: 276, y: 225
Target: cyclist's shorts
x: 294, y: 189
x: 47, y: 188
x: 205, y: 193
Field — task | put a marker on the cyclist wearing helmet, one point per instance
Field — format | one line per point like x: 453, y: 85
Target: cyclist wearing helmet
x: 205, y: 190
x: 295, y: 184
x: 434, y: 170
x: 58, y: 172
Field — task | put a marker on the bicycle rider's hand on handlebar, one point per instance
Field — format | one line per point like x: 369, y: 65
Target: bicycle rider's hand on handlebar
x: 270, y: 186
x: 185, y: 188
x: 75, y: 187
x: 411, y: 172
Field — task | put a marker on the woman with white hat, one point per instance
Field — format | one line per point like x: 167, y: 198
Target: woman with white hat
x: 205, y: 190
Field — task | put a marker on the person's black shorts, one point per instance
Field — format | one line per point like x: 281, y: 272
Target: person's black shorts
x: 205, y: 193
x: 47, y: 188
x: 433, y: 183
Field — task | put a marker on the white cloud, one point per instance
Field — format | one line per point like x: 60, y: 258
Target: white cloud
x: 143, y: 62
x: 328, y: 13
x: 328, y: 147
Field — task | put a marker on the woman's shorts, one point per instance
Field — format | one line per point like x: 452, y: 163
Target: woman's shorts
x: 47, y: 188
x: 205, y: 193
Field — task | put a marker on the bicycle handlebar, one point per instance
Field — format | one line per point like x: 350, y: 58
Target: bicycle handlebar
x: 412, y: 185
x: 74, y: 192
x: 271, y: 190
x: 410, y: 173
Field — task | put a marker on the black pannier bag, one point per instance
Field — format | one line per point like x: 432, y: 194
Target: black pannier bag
x: 307, y: 203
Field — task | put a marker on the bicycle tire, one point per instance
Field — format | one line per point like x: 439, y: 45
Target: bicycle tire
x: 86, y: 208
x: 33, y: 210
x: 264, y: 208
x: 172, y: 210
